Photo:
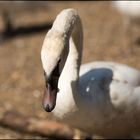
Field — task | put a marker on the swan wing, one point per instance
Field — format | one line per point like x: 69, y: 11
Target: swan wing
x: 108, y: 82
x: 119, y: 72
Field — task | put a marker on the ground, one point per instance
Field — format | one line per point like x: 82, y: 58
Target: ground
x: 21, y: 73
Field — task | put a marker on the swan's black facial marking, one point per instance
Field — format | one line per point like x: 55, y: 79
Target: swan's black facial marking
x: 51, y: 89
x: 52, y: 80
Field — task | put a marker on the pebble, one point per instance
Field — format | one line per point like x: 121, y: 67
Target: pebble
x: 36, y: 93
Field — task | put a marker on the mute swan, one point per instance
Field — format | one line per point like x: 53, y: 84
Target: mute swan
x: 130, y: 11
x: 98, y: 97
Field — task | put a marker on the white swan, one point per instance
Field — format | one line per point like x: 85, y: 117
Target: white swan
x: 130, y: 11
x: 104, y: 99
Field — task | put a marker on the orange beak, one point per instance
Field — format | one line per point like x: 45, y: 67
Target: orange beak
x: 49, y: 99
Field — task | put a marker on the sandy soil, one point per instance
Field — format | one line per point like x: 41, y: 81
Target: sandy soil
x: 21, y: 74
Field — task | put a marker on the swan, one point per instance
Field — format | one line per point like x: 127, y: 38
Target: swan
x: 130, y: 11
x: 98, y: 97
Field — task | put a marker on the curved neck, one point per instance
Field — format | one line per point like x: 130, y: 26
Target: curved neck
x: 69, y: 25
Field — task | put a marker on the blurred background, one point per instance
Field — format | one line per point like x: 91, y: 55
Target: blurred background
x: 23, y: 25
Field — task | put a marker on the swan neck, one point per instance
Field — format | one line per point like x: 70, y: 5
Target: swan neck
x: 69, y: 24
x: 65, y: 21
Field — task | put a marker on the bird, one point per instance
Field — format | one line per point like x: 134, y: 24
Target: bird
x: 130, y: 11
x: 99, y: 97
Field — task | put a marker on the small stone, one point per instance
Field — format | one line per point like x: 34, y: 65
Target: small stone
x: 36, y: 94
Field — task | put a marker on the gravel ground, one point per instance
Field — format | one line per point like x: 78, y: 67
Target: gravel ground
x: 21, y: 74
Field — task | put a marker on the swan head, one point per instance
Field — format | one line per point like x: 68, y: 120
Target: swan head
x: 50, y: 57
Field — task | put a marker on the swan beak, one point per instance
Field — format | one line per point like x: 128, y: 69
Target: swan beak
x: 49, y: 99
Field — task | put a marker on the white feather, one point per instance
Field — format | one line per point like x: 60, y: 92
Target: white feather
x: 103, y: 97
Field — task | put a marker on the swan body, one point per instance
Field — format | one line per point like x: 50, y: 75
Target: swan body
x: 128, y: 8
x: 97, y: 97
x: 130, y: 11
